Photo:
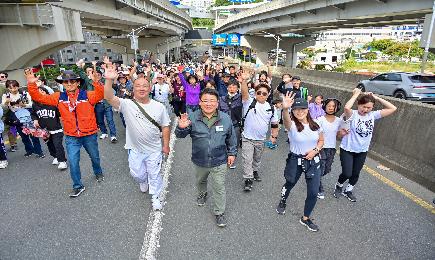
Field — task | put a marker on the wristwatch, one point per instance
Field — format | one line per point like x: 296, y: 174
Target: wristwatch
x: 316, y: 149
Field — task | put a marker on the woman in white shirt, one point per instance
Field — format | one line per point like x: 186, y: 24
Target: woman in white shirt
x: 306, y: 141
x: 355, y: 144
x: 161, y: 91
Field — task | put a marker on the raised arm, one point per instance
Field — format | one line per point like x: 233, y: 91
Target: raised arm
x: 32, y: 88
x: 287, y: 103
x: 243, y: 79
x: 110, y: 74
x: 388, y: 109
x: 349, y: 104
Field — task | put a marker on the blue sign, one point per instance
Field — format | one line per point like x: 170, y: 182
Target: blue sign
x: 233, y: 39
x: 219, y: 39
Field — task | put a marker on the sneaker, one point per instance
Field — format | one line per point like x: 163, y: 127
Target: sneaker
x: 338, y: 190
x: 349, y: 195
x: 220, y: 220
x: 103, y: 136
x: 77, y: 192
x: 321, y: 195
x: 143, y: 187
x: 202, y: 198
x: 113, y: 140
x: 232, y: 167
x: 256, y: 176
x: 55, y: 162
x: 281, y: 207
x: 13, y: 148
x: 62, y: 166
x: 40, y: 155
x: 99, y: 177
x: 157, y: 204
x: 309, y: 224
x: 28, y: 154
x: 3, y: 164
x: 248, y: 185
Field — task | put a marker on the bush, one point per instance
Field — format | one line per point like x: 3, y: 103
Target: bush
x: 320, y: 67
x: 304, y: 64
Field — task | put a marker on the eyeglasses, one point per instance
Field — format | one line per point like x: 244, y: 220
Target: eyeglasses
x: 264, y: 94
x: 209, y: 101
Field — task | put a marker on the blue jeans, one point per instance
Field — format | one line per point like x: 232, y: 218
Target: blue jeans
x: 102, y: 111
x: 31, y: 143
x: 73, y: 146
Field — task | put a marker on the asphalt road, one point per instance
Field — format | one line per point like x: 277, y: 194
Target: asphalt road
x: 108, y: 221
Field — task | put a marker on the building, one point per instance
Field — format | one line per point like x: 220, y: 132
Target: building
x: 198, y: 8
x: 89, y: 50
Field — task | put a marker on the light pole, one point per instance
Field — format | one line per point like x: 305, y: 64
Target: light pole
x: 429, y: 35
x: 278, y: 38
x: 134, y: 36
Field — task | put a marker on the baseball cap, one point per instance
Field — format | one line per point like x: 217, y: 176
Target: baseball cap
x: 300, y: 103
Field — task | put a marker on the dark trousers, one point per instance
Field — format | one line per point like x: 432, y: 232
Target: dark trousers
x: 179, y: 107
x: 327, y: 158
x: 2, y: 149
x: 31, y: 143
x: 351, y: 166
x: 292, y: 173
x: 55, y: 146
x: 102, y: 111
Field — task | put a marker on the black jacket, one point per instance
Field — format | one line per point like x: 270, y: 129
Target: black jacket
x: 47, y: 116
x: 233, y: 107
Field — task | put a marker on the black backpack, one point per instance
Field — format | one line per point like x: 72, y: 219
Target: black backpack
x: 252, y: 106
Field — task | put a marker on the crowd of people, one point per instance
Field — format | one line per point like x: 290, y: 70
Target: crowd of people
x: 228, y: 111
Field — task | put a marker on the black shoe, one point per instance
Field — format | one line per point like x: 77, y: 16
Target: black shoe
x: 13, y: 148
x: 202, y: 198
x: 256, y: 176
x: 281, y: 207
x: 349, y: 195
x: 28, y: 154
x: 220, y: 220
x: 338, y: 191
x: 40, y: 155
x: 248, y: 185
x: 77, y: 192
x: 309, y: 224
x: 99, y: 177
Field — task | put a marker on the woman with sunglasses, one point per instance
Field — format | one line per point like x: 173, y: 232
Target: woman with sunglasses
x: 306, y: 141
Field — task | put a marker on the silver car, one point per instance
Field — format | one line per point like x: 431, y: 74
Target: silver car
x: 412, y: 86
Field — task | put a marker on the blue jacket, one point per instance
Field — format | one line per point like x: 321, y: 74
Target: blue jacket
x: 210, y: 146
x: 221, y: 87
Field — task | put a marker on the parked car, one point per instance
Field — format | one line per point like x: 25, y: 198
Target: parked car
x: 412, y: 86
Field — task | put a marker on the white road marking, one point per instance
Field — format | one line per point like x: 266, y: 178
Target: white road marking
x: 154, y: 226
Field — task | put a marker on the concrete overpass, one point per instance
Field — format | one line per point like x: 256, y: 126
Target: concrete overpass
x: 31, y: 32
x: 309, y: 17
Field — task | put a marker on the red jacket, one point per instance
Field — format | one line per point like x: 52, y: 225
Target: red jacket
x: 81, y: 120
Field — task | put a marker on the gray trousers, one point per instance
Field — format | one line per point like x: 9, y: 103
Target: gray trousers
x: 217, y: 176
x: 252, y: 150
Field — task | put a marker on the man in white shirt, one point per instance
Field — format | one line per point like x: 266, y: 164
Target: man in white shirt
x: 144, y: 118
x: 161, y: 91
x: 258, y: 115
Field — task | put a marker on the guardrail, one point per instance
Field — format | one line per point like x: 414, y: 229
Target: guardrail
x: 26, y: 15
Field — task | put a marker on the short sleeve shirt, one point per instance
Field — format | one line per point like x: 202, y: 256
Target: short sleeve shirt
x: 141, y: 134
x: 329, y: 130
x: 303, y: 141
x: 361, y: 132
x: 258, y: 120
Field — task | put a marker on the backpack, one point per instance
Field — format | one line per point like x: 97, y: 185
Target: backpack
x: 252, y: 106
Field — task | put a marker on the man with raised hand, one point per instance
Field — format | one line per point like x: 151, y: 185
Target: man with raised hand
x: 76, y: 108
x: 214, y: 148
x: 147, y: 126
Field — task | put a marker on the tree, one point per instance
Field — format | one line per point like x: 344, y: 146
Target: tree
x: 203, y: 22
x: 380, y: 45
x: 371, y: 56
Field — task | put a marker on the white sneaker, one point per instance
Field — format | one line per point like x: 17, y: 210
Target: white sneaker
x: 3, y: 164
x: 232, y: 167
x: 143, y: 186
x: 104, y: 136
x: 113, y: 139
x: 55, y: 162
x: 157, y: 204
x: 62, y: 166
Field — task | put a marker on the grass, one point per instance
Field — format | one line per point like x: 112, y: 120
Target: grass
x: 380, y: 67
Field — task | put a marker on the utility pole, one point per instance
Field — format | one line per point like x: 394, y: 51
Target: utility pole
x: 429, y: 34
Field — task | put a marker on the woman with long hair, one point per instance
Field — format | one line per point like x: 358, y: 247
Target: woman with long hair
x: 306, y: 141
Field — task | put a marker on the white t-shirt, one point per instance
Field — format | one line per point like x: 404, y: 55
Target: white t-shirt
x: 161, y: 92
x: 15, y: 97
x: 329, y: 130
x: 258, y: 120
x: 141, y: 134
x: 304, y: 141
x: 361, y: 131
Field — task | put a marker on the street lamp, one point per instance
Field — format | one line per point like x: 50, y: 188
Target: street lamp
x: 134, y: 37
x: 278, y: 38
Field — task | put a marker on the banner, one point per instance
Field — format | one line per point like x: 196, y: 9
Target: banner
x: 219, y: 39
x: 233, y: 39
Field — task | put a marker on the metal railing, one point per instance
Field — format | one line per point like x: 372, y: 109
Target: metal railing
x: 26, y: 15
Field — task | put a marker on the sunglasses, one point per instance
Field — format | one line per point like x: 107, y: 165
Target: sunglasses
x: 70, y: 81
x: 264, y: 94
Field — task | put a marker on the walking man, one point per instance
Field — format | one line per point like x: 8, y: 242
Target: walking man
x: 214, y: 148
x: 147, y: 126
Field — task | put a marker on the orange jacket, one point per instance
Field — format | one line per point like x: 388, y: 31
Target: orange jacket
x: 79, y: 122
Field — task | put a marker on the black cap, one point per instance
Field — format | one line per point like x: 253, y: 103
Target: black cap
x: 296, y: 78
x: 139, y: 70
x: 67, y: 75
x: 300, y: 103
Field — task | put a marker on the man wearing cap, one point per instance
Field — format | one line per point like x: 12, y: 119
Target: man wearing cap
x: 221, y: 80
x: 298, y: 90
x: 76, y: 108
x: 161, y: 90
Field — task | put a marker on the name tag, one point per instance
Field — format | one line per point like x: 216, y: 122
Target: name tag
x: 219, y: 128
